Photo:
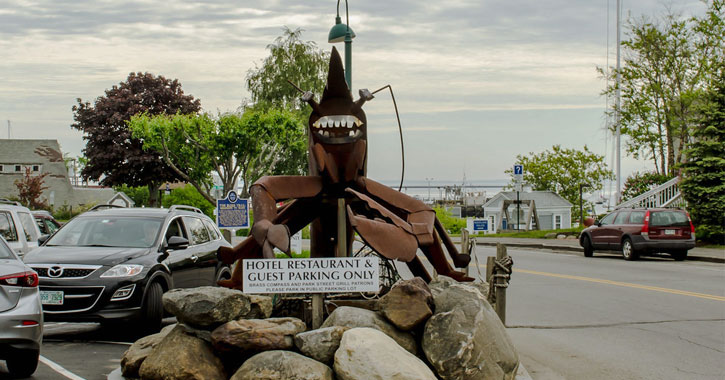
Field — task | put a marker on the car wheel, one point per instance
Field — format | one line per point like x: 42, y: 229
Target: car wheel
x: 587, y: 245
x: 224, y: 274
x: 628, y: 251
x: 153, y: 309
x: 679, y: 255
x: 23, y: 363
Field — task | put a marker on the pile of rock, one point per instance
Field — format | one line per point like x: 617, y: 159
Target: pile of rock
x: 442, y: 330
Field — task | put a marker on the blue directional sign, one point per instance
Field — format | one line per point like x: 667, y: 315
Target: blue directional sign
x: 232, y: 212
x: 480, y: 225
x: 518, y: 169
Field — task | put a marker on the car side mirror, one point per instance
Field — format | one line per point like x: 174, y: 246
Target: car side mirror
x: 177, y: 242
x: 42, y: 239
x: 598, y: 223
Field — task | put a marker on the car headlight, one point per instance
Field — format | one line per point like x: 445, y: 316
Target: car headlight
x: 123, y: 270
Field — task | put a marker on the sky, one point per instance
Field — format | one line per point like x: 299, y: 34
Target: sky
x: 477, y: 82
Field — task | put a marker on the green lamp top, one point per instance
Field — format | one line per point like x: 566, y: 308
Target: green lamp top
x: 337, y: 33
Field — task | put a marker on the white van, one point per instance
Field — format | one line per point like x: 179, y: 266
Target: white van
x: 18, y: 227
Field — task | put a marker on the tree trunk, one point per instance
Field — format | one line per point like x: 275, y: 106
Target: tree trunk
x: 154, y: 200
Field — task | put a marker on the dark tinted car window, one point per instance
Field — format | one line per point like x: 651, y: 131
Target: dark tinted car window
x: 199, y: 234
x: 108, y: 231
x: 621, y: 217
x: 213, y: 234
x: 7, y: 228
x: 636, y: 217
x: 176, y: 228
x: 668, y: 218
x: 609, y: 218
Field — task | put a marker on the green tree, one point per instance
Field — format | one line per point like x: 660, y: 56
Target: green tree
x: 703, y: 175
x: 562, y: 170
x: 234, y: 146
x: 189, y: 196
x: 639, y: 183
x: 139, y: 195
x: 666, y: 63
x: 290, y: 58
x: 114, y: 156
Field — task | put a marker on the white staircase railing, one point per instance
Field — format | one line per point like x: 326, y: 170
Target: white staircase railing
x: 665, y: 195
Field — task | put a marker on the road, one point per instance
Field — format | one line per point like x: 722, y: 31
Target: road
x: 572, y: 317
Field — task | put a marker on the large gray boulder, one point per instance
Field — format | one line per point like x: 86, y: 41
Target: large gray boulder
x: 368, y: 354
x: 249, y: 336
x: 408, y: 304
x: 282, y: 365
x: 465, y: 339
x: 320, y: 344
x: 207, y: 306
x: 135, y: 355
x: 183, y: 357
x: 352, y: 317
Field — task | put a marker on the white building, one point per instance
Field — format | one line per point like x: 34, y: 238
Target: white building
x: 554, y: 212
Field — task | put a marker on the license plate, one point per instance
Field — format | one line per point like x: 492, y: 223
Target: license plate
x: 669, y: 232
x: 51, y: 297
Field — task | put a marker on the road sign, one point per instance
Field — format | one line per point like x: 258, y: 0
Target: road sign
x: 232, y: 212
x: 518, y: 169
x: 480, y: 225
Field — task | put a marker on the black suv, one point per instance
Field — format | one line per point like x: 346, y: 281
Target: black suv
x: 113, y: 264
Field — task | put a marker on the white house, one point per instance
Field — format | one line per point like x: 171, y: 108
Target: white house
x: 554, y: 212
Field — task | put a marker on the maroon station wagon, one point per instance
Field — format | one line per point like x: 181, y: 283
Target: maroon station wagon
x: 641, y: 231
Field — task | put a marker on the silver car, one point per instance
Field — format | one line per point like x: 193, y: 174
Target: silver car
x: 21, y: 316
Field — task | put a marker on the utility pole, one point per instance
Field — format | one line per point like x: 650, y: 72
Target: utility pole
x: 617, y: 116
x: 8, y: 129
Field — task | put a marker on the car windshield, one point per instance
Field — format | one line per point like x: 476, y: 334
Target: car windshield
x: 108, y: 231
x: 5, y: 252
x: 669, y: 218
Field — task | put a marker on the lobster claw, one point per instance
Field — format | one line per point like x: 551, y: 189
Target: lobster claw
x: 387, y: 239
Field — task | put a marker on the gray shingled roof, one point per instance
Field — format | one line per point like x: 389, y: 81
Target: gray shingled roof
x: 541, y: 198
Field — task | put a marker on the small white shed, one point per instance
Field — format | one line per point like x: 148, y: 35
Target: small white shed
x: 554, y: 211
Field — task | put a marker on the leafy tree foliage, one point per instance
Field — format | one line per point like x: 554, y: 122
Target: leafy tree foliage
x: 188, y: 195
x: 640, y: 183
x: 666, y: 64
x: 30, y: 188
x: 561, y: 170
x: 290, y: 58
x: 234, y: 146
x: 114, y: 156
x: 452, y: 224
x: 703, y: 175
x: 139, y: 195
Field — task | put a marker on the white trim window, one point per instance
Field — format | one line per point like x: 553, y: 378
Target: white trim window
x: 557, y: 221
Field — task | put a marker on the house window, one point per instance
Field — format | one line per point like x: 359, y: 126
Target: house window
x: 36, y: 168
x: 18, y: 168
x: 492, y: 224
x: 557, y: 222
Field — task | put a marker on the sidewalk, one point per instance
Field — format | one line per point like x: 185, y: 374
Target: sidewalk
x: 711, y: 255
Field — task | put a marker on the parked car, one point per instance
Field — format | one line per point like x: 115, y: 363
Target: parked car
x: 46, y: 223
x: 113, y: 264
x: 640, y: 231
x: 18, y: 227
x: 21, y: 315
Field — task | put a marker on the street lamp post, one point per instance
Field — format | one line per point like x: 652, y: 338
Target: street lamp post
x: 428, y: 179
x: 343, y: 33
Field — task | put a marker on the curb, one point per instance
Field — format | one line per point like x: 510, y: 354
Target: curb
x: 569, y: 248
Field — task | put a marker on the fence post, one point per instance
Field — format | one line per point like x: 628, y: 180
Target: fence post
x: 501, y: 283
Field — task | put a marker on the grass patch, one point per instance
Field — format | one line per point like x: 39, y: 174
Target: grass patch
x: 535, y: 234
x: 305, y: 254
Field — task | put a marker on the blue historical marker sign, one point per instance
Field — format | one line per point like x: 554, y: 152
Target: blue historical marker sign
x: 518, y: 169
x: 480, y: 225
x: 232, y: 212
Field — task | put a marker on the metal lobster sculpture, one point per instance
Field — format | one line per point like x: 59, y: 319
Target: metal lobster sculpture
x: 392, y: 223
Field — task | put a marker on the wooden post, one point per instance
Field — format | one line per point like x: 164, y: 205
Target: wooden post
x: 464, y: 247
x: 341, y: 228
x: 318, y: 302
x: 500, y: 291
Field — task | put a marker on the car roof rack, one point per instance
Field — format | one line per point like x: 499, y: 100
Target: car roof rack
x: 185, y: 208
x: 98, y: 207
x: 9, y: 202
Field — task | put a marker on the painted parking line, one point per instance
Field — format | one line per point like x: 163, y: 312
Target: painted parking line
x: 57, y: 368
x: 625, y: 284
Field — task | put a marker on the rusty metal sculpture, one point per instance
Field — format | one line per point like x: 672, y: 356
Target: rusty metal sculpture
x: 392, y: 223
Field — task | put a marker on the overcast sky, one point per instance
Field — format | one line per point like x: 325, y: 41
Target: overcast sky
x: 477, y: 82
